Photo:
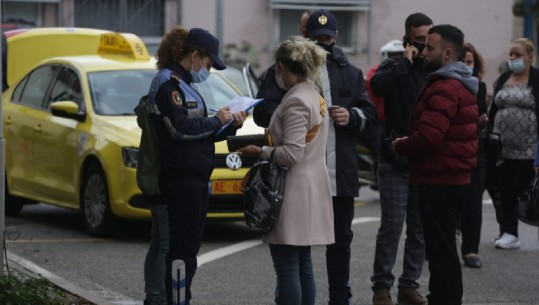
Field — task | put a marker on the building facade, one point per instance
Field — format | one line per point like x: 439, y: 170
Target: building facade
x: 251, y: 29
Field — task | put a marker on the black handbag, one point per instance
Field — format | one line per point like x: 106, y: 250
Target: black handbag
x: 528, y: 204
x: 263, y: 189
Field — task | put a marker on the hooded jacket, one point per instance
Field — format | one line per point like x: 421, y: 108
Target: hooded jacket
x: 442, y: 141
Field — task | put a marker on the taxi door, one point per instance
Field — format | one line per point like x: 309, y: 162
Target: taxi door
x: 55, y: 158
x: 22, y: 116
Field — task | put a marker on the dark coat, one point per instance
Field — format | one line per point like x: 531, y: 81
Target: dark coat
x: 347, y: 87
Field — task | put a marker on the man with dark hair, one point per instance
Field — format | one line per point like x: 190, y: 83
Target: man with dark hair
x: 441, y: 146
x: 398, y: 81
x: 351, y: 112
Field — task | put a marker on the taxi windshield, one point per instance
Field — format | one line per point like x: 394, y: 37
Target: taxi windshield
x: 215, y: 91
x: 118, y: 92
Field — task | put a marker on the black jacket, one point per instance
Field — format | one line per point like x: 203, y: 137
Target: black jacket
x: 347, y: 87
x: 399, y: 82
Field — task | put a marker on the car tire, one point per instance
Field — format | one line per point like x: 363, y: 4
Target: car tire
x: 94, y: 201
x: 13, y: 204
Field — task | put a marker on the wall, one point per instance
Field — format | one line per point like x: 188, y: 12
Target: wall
x: 488, y: 24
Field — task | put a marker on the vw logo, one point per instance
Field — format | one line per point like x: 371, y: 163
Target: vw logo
x: 233, y: 161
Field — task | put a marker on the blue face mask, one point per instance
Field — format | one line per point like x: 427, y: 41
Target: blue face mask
x: 470, y: 69
x: 200, y: 76
x: 516, y: 65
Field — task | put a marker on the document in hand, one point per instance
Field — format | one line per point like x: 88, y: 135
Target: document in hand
x: 237, y: 104
x: 243, y: 103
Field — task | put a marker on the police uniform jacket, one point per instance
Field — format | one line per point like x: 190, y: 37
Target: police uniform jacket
x: 186, y: 134
x: 347, y: 87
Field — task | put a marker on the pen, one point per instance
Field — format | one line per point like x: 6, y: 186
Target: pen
x: 213, y: 109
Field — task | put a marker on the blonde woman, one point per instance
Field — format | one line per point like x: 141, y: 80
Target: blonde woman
x: 513, y: 115
x: 306, y: 217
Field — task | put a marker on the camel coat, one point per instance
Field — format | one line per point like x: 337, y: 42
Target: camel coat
x: 306, y: 216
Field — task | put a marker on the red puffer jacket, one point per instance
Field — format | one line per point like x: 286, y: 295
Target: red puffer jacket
x: 442, y: 141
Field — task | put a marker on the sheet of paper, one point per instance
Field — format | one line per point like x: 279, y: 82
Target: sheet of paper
x: 242, y: 103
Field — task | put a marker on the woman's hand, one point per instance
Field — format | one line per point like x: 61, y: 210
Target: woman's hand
x: 224, y: 115
x: 251, y: 150
x: 239, y: 118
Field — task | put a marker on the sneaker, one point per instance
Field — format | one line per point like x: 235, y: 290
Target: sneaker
x: 382, y: 297
x: 507, y: 241
x: 410, y: 296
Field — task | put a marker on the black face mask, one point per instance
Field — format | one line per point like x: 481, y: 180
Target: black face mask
x: 327, y: 47
x: 417, y: 45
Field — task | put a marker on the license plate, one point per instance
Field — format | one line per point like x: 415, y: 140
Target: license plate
x: 219, y: 187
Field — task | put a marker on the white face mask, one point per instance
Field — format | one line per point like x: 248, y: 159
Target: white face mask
x: 280, y: 82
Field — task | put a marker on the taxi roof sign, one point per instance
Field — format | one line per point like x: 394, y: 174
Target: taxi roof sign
x: 123, y: 44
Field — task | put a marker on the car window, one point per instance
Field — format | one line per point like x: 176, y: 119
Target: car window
x: 215, y: 91
x: 118, y: 92
x: 236, y: 77
x: 36, y: 86
x: 16, y: 97
x: 66, y: 87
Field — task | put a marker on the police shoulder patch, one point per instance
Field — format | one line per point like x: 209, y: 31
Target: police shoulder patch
x: 176, y: 98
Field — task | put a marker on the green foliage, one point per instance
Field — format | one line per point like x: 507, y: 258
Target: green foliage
x: 15, y: 290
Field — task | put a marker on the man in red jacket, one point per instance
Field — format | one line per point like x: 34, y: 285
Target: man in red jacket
x: 441, y: 147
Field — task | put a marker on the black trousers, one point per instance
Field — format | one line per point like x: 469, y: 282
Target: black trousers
x: 472, y: 213
x: 515, y: 176
x: 440, y: 208
x: 338, y: 254
x: 187, y: 199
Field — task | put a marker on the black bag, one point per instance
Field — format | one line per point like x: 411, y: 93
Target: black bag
x: 528, y: 204
x: 263, y: 190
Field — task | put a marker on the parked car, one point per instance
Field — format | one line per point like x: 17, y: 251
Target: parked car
x: 72, y: 138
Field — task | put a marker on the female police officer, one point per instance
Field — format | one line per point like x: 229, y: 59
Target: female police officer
x: 186, y: 138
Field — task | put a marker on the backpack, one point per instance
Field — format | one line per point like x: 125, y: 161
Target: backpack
x: 149, y: 164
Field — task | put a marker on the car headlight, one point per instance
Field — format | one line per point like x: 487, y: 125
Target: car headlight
x: 130, y: 156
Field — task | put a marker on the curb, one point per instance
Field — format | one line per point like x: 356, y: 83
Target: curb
x: 34, y: 270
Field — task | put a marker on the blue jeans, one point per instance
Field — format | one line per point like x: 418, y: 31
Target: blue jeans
x: 399, y: 203
x: 295, y: 277
x: 154, y: 264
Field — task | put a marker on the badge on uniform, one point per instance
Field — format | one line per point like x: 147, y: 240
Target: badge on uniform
x: 192, y: 105
x: 176, y: 98
x: 322, y: 19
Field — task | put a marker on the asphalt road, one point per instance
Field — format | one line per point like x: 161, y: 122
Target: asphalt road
x: 236, y: 267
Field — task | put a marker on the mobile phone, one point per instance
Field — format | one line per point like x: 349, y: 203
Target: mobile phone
x: 331, y: 108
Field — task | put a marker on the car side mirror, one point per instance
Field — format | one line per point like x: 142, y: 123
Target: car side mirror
x: 68, y: 109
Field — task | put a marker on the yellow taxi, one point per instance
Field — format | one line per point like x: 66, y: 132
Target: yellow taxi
x: 70, y: 128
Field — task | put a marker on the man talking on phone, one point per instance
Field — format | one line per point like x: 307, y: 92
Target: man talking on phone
x: 398, y: 81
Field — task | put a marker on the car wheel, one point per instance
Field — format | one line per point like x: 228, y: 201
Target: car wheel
x: 94, y: 201
x: 13, y: 204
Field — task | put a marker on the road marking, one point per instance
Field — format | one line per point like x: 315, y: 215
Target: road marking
x: 245, y: 245
x: 226, y: 251
x: 113, y: 298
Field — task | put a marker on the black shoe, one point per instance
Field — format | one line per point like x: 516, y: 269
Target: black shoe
x: 472, y: 261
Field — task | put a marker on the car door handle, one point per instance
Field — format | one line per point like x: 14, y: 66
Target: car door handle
x: 37, y: 128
